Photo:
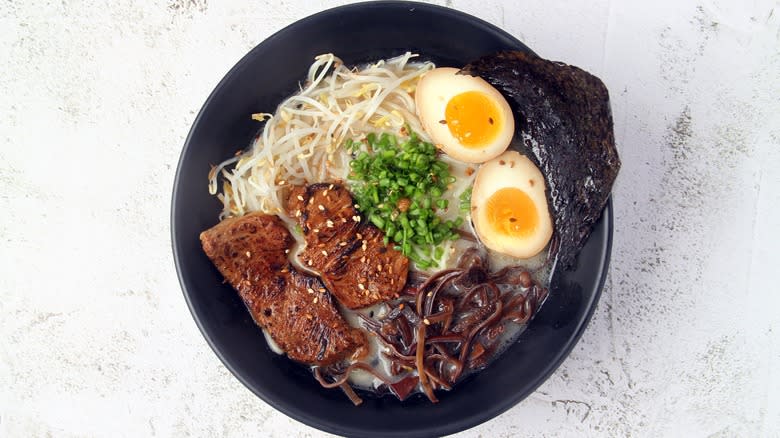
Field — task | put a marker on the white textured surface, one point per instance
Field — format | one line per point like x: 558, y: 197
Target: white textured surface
x: 95, y: 337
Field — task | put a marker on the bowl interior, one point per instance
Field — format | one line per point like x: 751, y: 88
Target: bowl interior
x: 258, y: 83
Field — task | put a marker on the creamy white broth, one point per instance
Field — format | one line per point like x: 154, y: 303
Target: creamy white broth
x: 464, y: 174
x: 259, y: 178
x: 537, y: 266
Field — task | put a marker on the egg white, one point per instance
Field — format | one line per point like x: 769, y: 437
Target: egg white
x: 511, y: 169
x: 435, y: 90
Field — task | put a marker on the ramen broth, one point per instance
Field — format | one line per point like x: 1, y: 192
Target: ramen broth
x: 298, y: 145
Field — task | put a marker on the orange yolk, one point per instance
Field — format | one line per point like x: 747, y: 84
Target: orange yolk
x: 511, y: 212
x: 472, y: 118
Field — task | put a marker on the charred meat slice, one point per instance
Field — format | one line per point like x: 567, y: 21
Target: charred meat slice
x: 249, y: 251
x: 358, y: 268
x: 565, y: 125
x: 367, y: 275
x: 327, y: 218
x: 311, y: 328
x: 295, y: 309
x: 324, y: 211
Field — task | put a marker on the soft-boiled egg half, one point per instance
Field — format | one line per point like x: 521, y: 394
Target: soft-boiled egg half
x: 509, y: 207
x: 464, y: 115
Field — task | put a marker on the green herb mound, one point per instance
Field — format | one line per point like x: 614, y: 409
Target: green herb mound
x: 398, y: 185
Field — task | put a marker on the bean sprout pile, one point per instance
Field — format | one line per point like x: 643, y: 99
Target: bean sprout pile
x: 302, y: 141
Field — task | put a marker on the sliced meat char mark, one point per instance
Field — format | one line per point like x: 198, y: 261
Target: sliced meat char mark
x: 328, y: 219
x: 358, y: 268
x: 295, y: 309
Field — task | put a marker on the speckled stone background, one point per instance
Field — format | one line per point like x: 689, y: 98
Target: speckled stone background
x: 96, y: 100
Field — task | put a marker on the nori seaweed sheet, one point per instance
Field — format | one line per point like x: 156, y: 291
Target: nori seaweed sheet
x: 564, y: 124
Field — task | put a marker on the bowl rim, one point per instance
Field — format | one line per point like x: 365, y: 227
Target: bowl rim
x: 462, y: 423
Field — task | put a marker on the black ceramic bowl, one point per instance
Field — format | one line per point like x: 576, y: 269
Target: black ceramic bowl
x: 271, y: 72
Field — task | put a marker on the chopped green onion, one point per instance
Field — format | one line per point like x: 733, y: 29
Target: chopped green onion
x: 399, y: 184
x: 376, y: 220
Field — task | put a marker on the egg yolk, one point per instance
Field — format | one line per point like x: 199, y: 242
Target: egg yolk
x: 511, y: 212
x: 473, y: 118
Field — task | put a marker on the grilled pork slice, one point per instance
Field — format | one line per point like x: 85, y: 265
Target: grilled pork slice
x: 329, y: 222
x: 295, y: 309
x: 358, y: 268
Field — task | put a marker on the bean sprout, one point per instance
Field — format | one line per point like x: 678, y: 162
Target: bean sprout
x: 302, y: 141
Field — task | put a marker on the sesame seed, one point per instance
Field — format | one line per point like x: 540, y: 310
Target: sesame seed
x: 281, y: 182
x: 325, y: 253
x: 329, y: 223
x: 359, y: 236
x: 286, y: 251
x: 343, y: 244
x: 357, y: 206
x: 361, y: 286
x: 248, y: 254
x: 426, y: 322
x: 322, y: 289
x: 363, y: 259
x: 429, y: 294
x: 364, y: 245
x: 309, y: 263
x: 379, y: 268
x: 325, y: 192
x: 309, y: 317
x: 297, y: 213
x: 315, y: 300
x: 343, y: 220
x: 392, y: 281
x: 309, y: 290
x: 321, y: 207
x: 315, y: 231
x: 356, y: 218
x: 330, y: 187
x: 300, y: 198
